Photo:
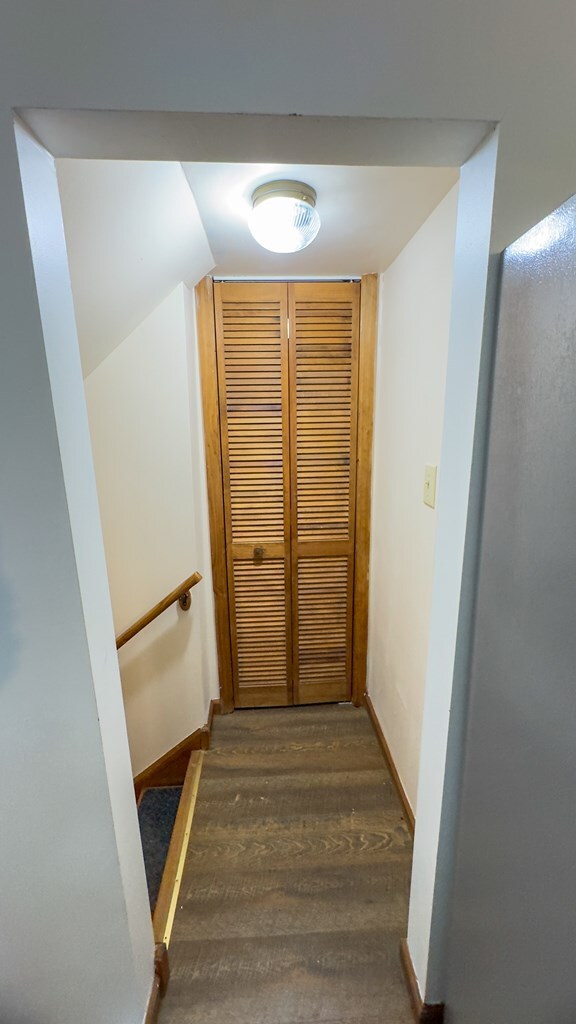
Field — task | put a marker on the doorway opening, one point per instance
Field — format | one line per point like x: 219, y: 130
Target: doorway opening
x: 290, y: 368
x: 77, y: 135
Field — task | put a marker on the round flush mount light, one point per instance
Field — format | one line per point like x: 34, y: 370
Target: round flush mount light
x: 284, y: 217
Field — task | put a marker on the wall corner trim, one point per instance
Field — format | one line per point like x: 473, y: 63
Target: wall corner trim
x: 368, y: 344
x: 424, y: 1013
x: 153, y: 1008
x: 159, y: 984
x: 206, y: 334
x: 390, y: 762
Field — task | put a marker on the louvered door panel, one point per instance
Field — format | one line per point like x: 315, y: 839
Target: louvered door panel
x: 324, y: 627
x: 324, y: 322
x: 260, y: 633
x: 251, y: 329
x: 323, y: 428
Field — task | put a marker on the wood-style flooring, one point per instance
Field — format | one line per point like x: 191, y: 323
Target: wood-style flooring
x: 295, y: 889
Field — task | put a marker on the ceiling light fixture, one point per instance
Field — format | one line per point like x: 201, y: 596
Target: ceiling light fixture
x: 284, y: 217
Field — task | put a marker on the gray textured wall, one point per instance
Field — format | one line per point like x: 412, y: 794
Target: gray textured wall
x: 512, y: 943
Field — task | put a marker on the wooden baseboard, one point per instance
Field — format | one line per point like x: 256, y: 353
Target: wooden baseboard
x: 171, y: 768
x: 163, y: 916
x: 159, y: 985
x: 214, y: 709
x: 424, y: 1013
x: 409, y: 813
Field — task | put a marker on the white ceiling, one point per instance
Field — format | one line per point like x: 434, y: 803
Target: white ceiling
x: 133, y: 233
x: 136, y: 229
x: 510, y: 61
x: 368, y: 215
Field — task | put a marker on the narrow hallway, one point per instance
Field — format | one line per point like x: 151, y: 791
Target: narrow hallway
x: 295, y: 889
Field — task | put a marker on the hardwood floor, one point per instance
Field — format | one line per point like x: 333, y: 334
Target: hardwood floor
x: 295, y: 890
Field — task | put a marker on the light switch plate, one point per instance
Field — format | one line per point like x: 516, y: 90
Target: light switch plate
x: 430, y: 485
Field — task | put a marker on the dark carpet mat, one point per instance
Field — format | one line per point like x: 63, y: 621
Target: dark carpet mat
x: 156, y: 815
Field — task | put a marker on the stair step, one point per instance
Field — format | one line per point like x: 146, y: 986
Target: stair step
x: 157, y: 812
x: 165, y: 905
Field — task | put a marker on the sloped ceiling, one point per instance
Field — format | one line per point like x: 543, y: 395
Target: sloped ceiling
x: 133, y: 232
x: 136, y: 229
x: 368, y: 215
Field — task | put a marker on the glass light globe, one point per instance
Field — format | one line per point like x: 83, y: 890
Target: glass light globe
x: 284, y: 223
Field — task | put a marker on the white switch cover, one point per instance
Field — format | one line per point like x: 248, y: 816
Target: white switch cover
x: 430, y: 485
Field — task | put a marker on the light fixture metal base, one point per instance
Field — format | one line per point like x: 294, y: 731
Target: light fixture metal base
x: 284, y: 189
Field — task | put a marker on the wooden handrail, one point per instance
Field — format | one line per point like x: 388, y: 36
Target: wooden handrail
x: 180, y: 594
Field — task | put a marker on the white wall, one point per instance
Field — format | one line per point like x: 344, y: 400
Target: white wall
x: 133, y: 232
x: 145, y: 423
x: 495, y: 64
x: 76, y: 940
x: 516, y: 828
x: 414, y: 325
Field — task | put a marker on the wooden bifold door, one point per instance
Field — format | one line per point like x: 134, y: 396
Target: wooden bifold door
x: 287, y: 363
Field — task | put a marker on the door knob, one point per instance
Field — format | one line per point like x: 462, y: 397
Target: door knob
x: 258, y: 555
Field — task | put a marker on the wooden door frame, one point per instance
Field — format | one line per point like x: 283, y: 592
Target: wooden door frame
x: 365, y: 439
x: 206, y: 332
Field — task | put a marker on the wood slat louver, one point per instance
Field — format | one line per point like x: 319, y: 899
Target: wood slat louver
x: 324, y: 627
x: 260, y: 625
x: 323, y: 398
x: 324, y: 431
x: 251, y: 333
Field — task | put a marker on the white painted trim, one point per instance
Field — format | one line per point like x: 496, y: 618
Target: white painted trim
x: 450, y: 605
